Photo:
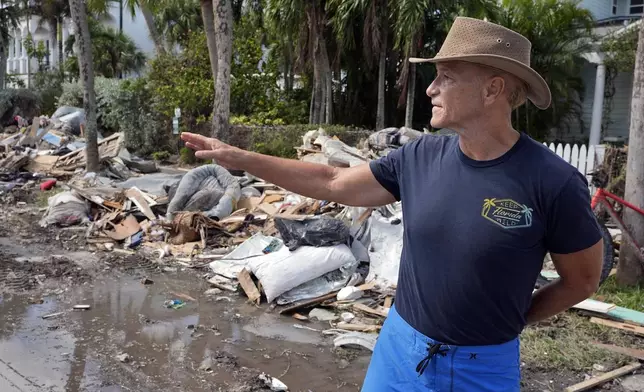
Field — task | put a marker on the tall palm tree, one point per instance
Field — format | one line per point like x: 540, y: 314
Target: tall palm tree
x: 113, y: 52
x: 52, y: 12
x: 310, y: 18
x: 9, y: 19
x: 177, y: 19
x: 224, y: 33
x: 80, y: 15
x: 208, y: 15
x: 418, y: 26
x: 374, y: 15
x: 561, y: 33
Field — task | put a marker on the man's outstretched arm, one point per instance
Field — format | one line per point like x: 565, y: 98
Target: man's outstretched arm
x: 355, y: 186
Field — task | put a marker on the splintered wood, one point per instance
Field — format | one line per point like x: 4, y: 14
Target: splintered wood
x: 13, y: 161
x: 246, y: 282
x: 107, y: 148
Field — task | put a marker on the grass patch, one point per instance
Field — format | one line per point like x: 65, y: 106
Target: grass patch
x: 627, y: 297
x: 43, y: 196
x: 565, y: 342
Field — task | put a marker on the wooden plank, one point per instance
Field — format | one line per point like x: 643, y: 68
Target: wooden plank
x: 631, y: 352
x: 379, y: 311
x: 309, y: 303
x: 388, y: 302
x: 248, y: 286
x: 626, y: 315
x: 616, y: 324
x: 592, y: 305
x: 596, y: 381
x: 358, y: 327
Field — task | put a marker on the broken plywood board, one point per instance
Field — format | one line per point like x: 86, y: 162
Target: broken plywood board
x: 626, y: 315
x: 592, y: 305
x: 42, y: 164
x: 604, y: 378
x: 107, y: 148
x: 14, y: 161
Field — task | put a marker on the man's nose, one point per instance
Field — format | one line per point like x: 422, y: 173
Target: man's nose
x: 431, y: 89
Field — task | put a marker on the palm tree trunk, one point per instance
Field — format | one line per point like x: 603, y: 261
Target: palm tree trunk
x: 61, y: 58
x: 630, y: 270
x: 328, y: 90
x: 53, y: 42
x: 224, y: 33
x: 312, y: 105
x: 152, y: 28
x: 208, y: 16
x: 411, y: 94
x: 382, y: 70
x: 29, y: 57
x: 3, y: 64
x: 85, y: 64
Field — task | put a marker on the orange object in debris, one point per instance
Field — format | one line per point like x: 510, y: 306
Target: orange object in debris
x: 47, y: 185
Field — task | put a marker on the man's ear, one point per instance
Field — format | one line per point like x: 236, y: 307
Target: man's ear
x: 493, y: 89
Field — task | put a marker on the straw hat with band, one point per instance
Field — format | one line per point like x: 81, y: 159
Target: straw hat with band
x: 486, y: 43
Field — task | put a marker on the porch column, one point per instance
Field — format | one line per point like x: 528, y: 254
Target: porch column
x: 598, y: 105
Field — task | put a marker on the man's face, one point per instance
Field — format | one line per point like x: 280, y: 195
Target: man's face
x: 456, y: 94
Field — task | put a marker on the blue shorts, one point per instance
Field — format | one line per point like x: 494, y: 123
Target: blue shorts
x: 401, y: 362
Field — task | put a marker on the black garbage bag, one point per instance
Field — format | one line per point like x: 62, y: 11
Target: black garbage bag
x: 319, y: 231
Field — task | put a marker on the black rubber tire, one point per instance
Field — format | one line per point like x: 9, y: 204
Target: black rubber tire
x: 609, y: 258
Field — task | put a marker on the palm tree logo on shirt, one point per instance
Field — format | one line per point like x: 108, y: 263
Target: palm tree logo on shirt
x: 507, y: 213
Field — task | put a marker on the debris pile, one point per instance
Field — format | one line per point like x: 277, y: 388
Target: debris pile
x: 56, y: 147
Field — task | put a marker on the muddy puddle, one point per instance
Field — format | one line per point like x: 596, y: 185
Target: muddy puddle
x: 129, y: 341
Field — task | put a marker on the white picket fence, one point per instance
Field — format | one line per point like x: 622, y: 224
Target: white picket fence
x: 583, y: 158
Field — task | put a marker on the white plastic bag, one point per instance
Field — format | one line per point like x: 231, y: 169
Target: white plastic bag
x: 385, y: 249
x: 284, y: 270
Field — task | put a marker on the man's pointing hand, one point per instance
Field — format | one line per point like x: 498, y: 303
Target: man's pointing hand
x: 210, y: 148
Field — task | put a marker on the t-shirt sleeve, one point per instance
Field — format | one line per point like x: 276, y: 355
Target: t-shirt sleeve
x: 572, y: 226
x: 387, y: 171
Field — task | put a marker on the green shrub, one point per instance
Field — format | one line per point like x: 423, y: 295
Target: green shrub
x: 49, y: 85
x: 160, y: 155
x: 22, y: 102
x: 187, y: 156
x: 126, y: 106
x: 184, y: 81
x: 107, y: 91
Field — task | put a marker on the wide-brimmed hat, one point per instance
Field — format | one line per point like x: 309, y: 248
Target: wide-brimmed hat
x: 486, y: 43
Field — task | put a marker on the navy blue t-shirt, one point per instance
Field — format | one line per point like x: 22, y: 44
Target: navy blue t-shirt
x: 476, y: 233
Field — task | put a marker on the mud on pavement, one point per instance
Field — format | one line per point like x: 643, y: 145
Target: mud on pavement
x: 128, y: 340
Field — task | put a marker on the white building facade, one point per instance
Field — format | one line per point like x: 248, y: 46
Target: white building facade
x: 19, y: 65
x: 613, y: 17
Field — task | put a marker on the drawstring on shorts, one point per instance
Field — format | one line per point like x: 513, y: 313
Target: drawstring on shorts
x: 432, y: 350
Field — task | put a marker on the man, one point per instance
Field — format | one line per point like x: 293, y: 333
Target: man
x: 480, y: 211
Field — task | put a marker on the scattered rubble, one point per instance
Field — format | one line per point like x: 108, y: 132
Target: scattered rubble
x: 302, y: 258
